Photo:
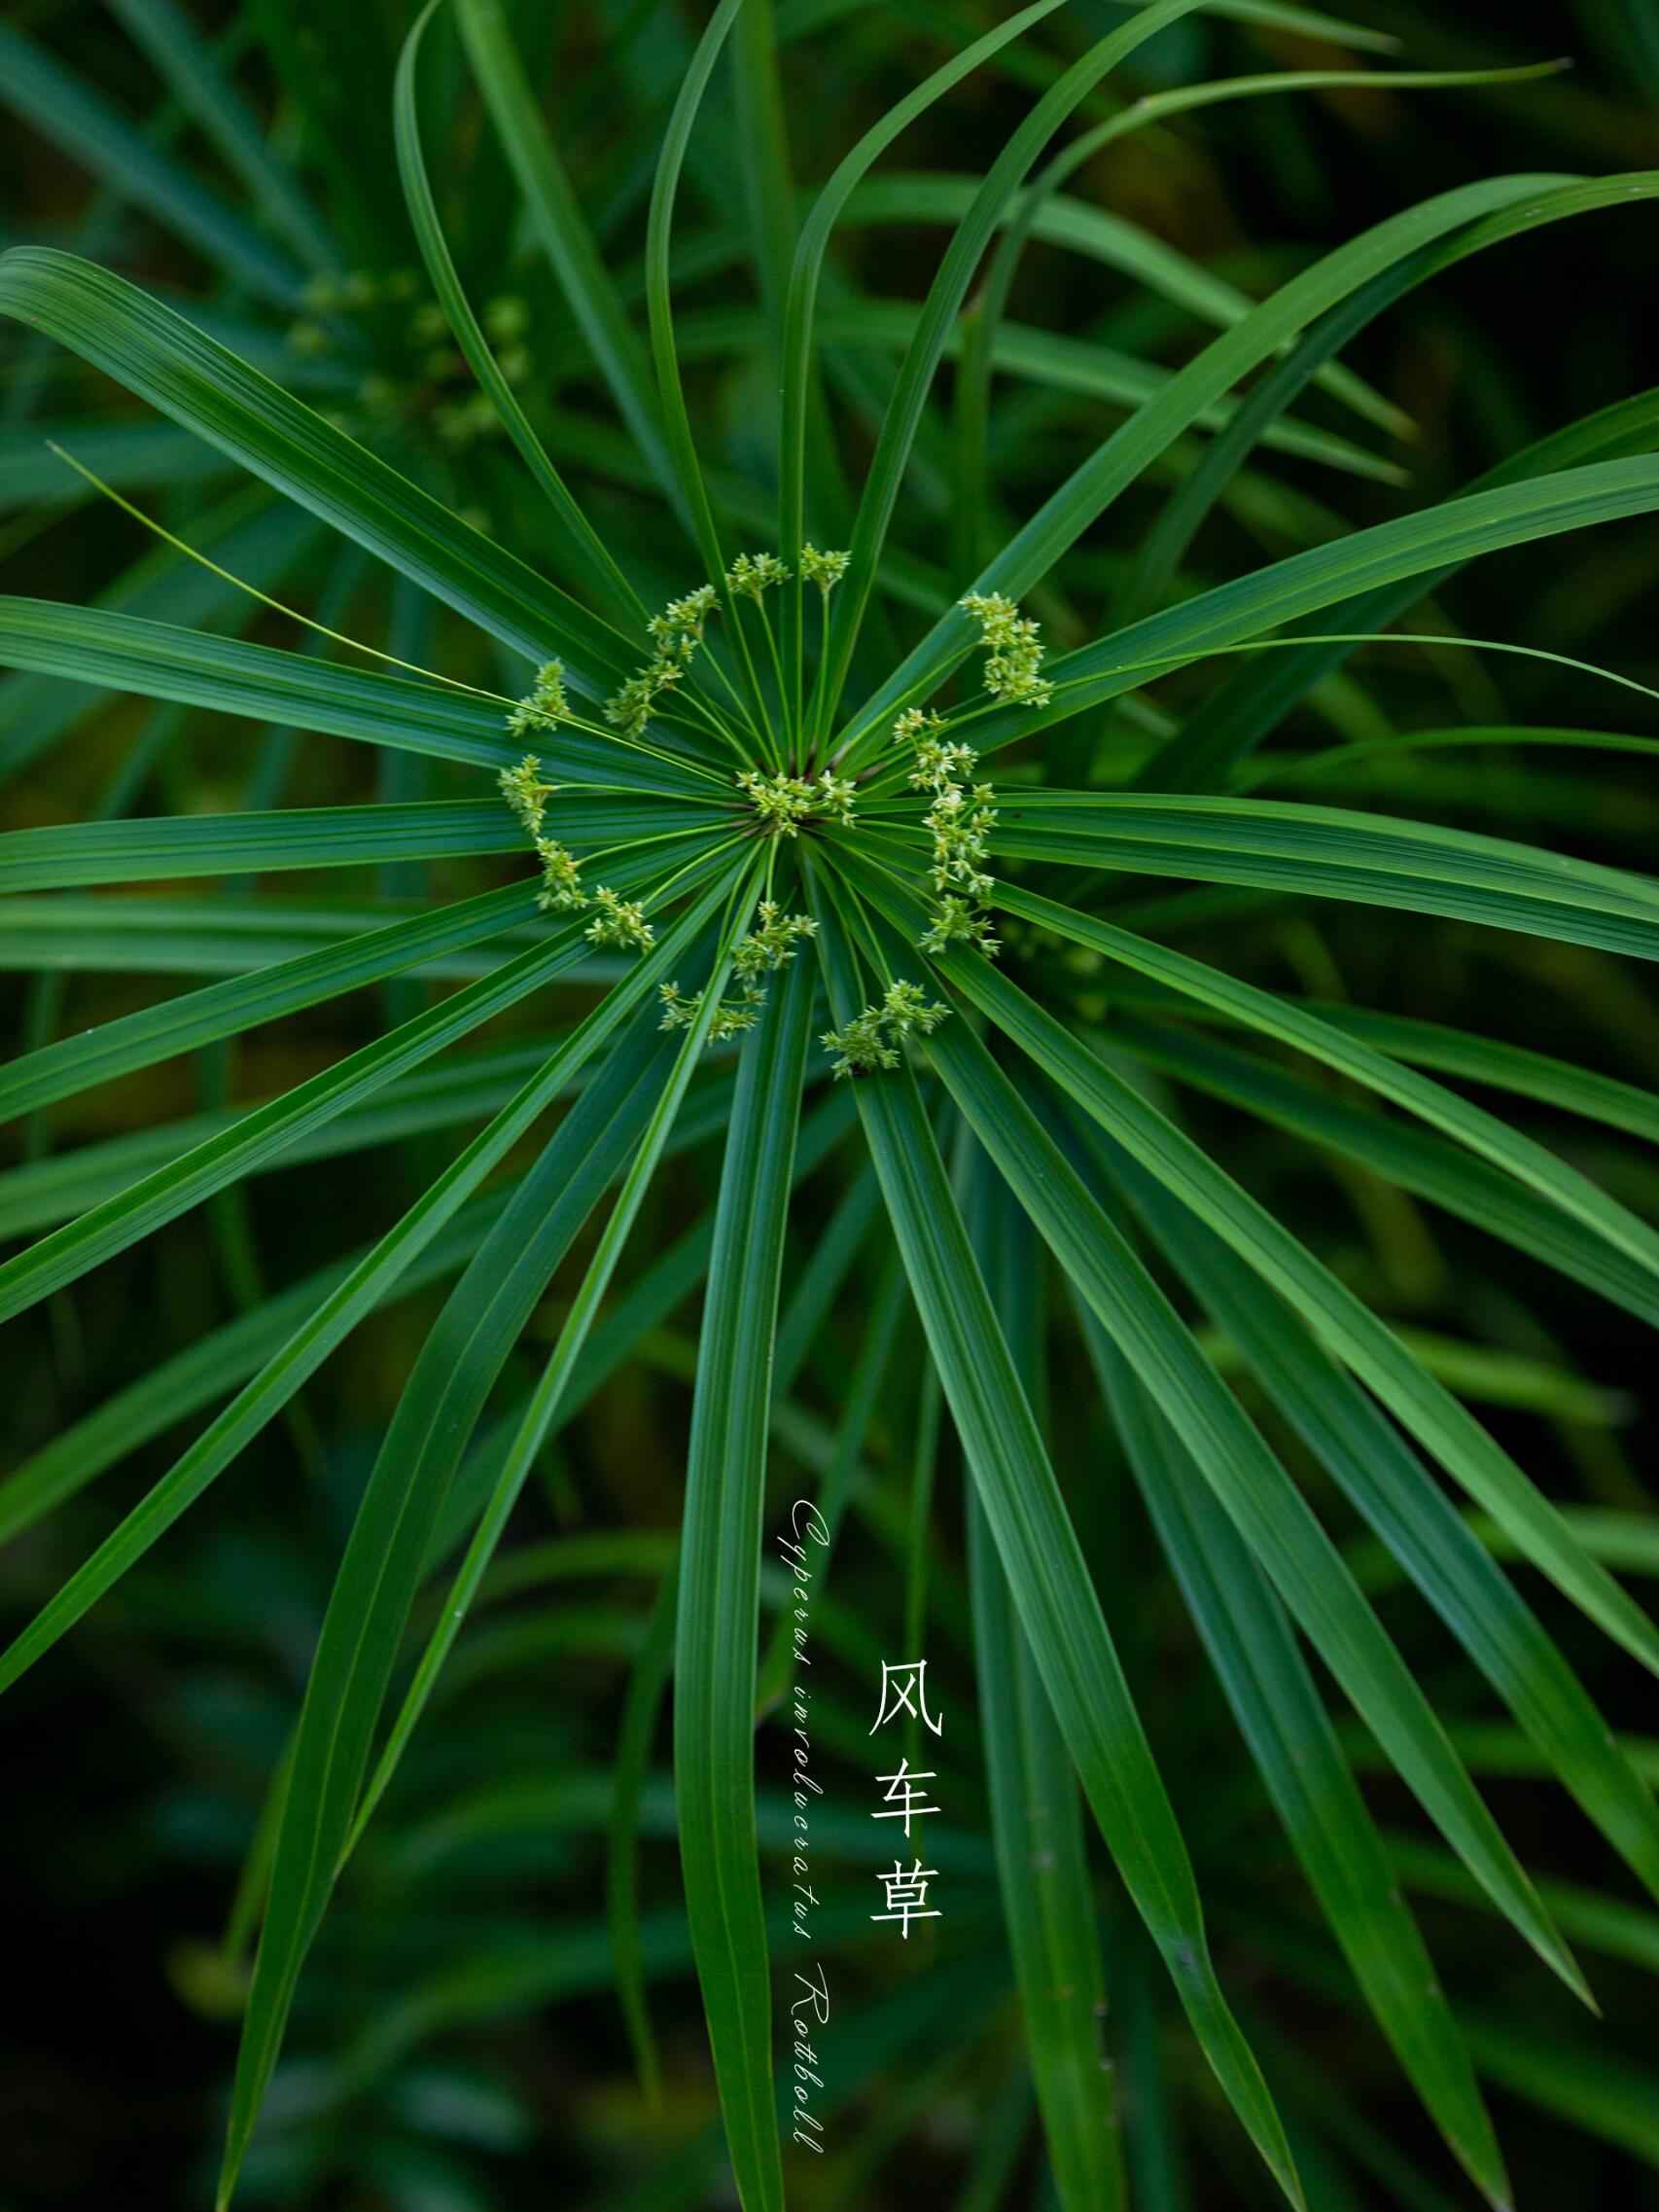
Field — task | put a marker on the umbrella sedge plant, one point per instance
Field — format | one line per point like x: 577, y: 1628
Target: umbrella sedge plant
x: 782, y: 837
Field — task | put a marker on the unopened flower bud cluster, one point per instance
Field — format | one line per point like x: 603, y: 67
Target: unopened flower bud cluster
x: 431, y: 366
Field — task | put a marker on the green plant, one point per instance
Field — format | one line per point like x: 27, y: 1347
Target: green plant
x: 798, y: 823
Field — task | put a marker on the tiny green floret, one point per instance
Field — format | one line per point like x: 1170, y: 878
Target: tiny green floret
x: 731, y: 1017
x: 825, y: 569
x: 955, y: 922
x: 960, y: 821
x: 751, y: 575
x: 619, y: 922
x: 859, y: 1045
x: 544, y: 706
x: 561, y: 878
x: 1015, y: 646
x: 905, y: 1007
x: 768, y: 947
x: 680, y: 625
x: 772, y: 943
x: 527, y: 792
x: 868, y: 1044
x: 783, y: 802
x: 676, y: 634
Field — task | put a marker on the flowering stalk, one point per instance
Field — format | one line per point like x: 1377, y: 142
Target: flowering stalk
x: 770, y: 946
x: 960, y: 816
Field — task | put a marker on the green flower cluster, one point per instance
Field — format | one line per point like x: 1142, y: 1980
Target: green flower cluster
x: 1016, y: 647
x: 753, y: 574
x: 770, y: 946
x: 825, y: 569
x: 619, y: 922
x: 870, y: 1041
x: 676, y: 632
x: 545, y: 707
x: 783, y: 802
x: 526, y: 791
x: 561, y: 889
x: 959, y: 821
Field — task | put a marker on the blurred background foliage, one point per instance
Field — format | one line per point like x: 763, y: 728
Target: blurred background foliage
x: 457, y: 2046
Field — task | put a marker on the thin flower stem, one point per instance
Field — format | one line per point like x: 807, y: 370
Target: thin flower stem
x: 638, y: 745
x: 179, y: 544
x: 665, y: 888
x: 745, y: 717
x: 797, y: 650
x: 778, y: 671
x: 693, y: 696
x: 817, y: 714
x: 763, y: 721
x: 628, y: 845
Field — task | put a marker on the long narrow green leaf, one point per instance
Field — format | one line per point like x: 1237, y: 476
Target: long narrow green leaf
x: 1036, y: 1816
x: 87, y: 933
x: 1328, y: 852
x: 720, y: 1589
x: 1530, y: 1163
x: 1536, y: 1076
x: 469, y: 333
x: 1386, y: 1481
x: 1270, y: 1514
x: 176, y: 846
x: 559, y: 228
x: 124, y: 652
x: 167, y: 361
x: 1054, y: 1598
x: 183, y: 845
x: 1225, y: 727
x: 1427, y: 1166
x: 132, y: 1041
x: 1296, y: 1749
